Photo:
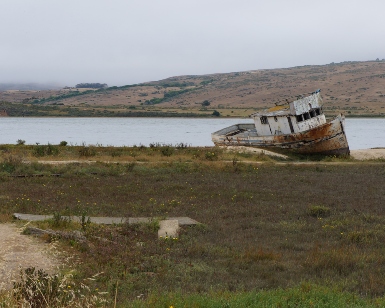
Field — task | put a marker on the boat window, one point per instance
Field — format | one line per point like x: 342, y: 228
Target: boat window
x: 306, y: 115
x: 299, y: 118
x: 264, y: 120
x: 312, y: 113
x: 317, y: 111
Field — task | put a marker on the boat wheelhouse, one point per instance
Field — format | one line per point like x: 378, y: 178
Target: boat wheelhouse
x: 299, y: 126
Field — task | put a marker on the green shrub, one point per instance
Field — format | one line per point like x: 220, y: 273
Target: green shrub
x: 10, y: 163
x: 211, y: 156
x: 318, y: 211
x: 63, y: 143
x: 39, y: 151
x: 181, y: 145
x: 59, y: 221
x: 130, y: 166
x: 167, y: 150
x: 116, y: 153
x: 147, y: 227
x: 86, y: 151
x: 44, y: 150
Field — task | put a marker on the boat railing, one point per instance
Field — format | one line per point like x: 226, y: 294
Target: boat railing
x: 234, y: 129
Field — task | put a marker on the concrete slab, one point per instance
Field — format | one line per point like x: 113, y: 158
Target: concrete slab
x: 106, y: 220
x: 139, y: 220
x: 32, y: 217
x: 184, y: 220
x: 168, y: 229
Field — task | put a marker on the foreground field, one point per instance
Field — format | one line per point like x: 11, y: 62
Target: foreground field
x: 302, y: 233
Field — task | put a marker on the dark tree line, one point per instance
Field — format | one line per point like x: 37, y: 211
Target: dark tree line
x: 92, y: 85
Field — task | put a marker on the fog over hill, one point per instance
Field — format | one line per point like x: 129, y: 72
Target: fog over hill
x: 29, y: 86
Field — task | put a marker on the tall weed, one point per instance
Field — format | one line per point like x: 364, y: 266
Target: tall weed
x: 38, y: 289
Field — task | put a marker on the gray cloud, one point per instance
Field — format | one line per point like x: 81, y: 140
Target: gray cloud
x: 130, y: 41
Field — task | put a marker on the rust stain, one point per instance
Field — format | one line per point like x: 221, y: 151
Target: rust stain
x: 276, y: 108
x: 325, y: 139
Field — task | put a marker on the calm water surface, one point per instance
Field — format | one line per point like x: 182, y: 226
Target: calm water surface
x: 362, y: 133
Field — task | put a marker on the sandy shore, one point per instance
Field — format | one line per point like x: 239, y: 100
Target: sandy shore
x: 365, y: 154
x: 244, y: 149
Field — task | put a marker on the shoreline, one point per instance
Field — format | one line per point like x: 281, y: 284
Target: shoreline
x: 366, y: 154
x: 361, y: 154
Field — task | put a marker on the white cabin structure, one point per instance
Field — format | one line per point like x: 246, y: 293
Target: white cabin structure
x: 294, y: 117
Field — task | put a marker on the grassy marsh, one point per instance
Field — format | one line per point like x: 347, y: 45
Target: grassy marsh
x: 265, y: 226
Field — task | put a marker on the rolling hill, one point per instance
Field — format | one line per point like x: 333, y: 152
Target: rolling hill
x: 354, y: 88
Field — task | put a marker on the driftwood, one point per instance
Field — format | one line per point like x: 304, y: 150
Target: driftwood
x: 68, y: 235
x: 37, y: 231
x: 33, y: 175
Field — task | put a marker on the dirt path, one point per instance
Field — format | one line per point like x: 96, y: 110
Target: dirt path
x: 21, y: 251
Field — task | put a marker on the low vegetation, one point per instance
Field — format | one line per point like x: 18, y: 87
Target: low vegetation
x: 155, y: 152
x: 270, y: 234
x: 61, y: 110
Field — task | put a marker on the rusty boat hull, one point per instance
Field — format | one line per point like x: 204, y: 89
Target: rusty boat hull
x: 326, y: 139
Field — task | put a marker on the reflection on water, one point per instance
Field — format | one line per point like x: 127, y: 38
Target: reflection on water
x: 362, y: 133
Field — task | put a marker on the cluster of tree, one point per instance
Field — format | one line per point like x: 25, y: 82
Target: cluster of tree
x: 206, y: 82
x: 78, y: 93
x: 177, y: 84
x: 62, y: 96
x: 166, y: 96
x: 92, y: 85
x: 170, y: 94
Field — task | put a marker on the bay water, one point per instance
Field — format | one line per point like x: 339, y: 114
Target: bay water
x: 362, y: 133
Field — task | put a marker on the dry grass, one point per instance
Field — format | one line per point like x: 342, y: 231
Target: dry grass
x: 13, y: 155
x: 38, y: 289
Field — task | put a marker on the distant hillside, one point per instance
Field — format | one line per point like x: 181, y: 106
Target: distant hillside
x: 354, y: 88
x: 28, y: 86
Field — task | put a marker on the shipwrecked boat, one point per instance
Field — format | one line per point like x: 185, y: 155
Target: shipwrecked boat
x: 298, y: 126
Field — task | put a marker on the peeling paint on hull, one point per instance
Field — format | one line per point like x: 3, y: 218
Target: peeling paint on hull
x: 326, y: 139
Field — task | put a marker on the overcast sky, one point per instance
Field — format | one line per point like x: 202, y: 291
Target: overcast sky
x: 122, y: 42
